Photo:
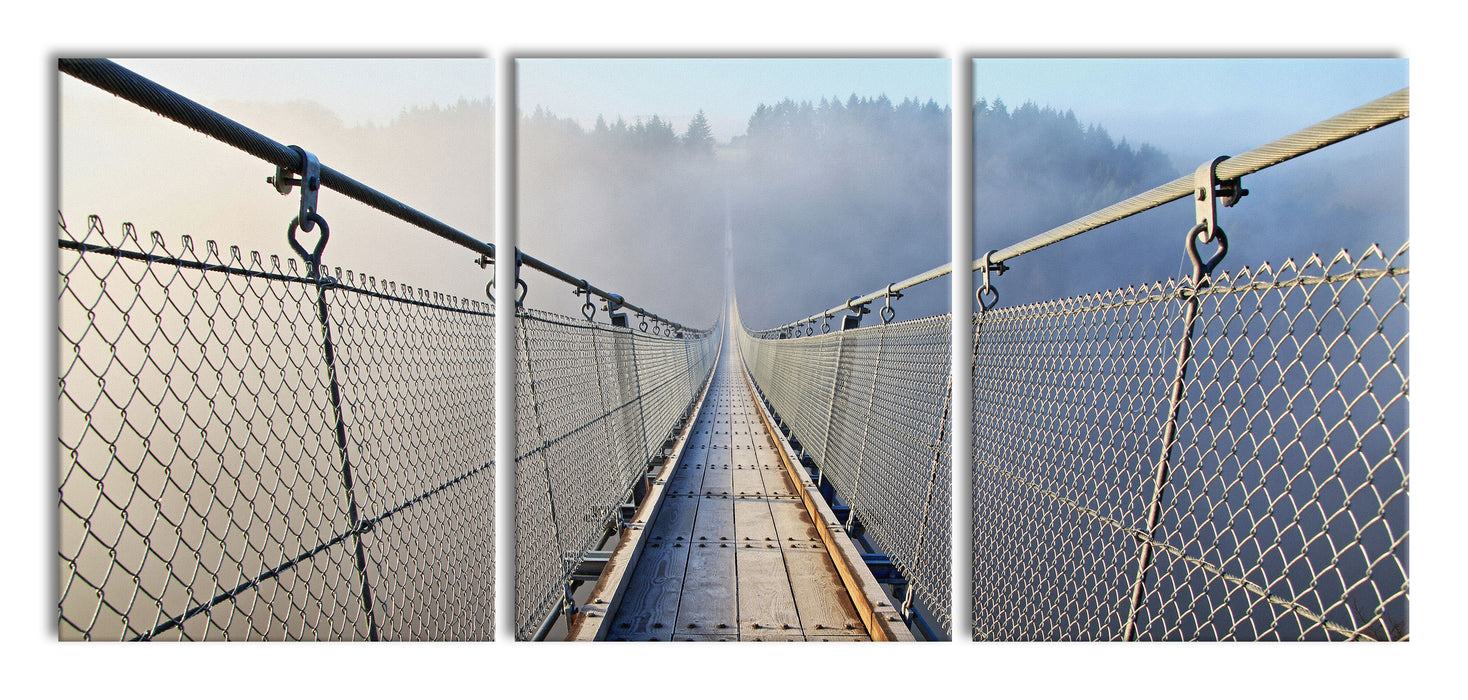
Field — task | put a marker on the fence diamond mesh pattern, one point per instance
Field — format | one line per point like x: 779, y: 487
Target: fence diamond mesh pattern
x: 1284, y: 512
x: 230, y: 468
x: 594, y: 405
x: 870, y: 407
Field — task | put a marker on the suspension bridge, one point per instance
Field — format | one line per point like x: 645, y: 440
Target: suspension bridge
x: 256, y: 449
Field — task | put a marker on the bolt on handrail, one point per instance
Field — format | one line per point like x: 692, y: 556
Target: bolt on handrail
x: 1372, y: 115
x: 139, y: 90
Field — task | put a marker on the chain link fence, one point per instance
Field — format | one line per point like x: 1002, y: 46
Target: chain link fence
x: 595, y: 405
x: 248, y: 451
x: 1269, y: 500
x: 870, y: 406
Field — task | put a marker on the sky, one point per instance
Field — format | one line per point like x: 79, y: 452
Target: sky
x: 1350, y: 195
x: 358, y: 90
x: 1185, y: 106
x: 727, y: 89
x: 126, y: 164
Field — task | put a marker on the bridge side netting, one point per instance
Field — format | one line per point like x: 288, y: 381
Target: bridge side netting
x: 211, y: 488
x: 870, y: 407
x: 595, y: 405
x: 1284, y: 508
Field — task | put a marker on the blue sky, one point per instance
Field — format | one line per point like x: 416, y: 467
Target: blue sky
x: 1192, y: 107
x: 726, y: 89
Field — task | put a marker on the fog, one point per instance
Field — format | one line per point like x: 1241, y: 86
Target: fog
x: 127, y: 164
x: 825, y: 200
x: 1036, y: 168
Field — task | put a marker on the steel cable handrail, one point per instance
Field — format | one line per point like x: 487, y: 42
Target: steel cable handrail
x: 149, y: 95
x: 139, y: 90
x: 1372, y: 115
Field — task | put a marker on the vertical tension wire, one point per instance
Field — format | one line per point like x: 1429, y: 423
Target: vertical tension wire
x: 1191, y: 304
x: 313, y: 262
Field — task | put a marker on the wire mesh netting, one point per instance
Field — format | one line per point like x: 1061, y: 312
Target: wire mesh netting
x: 870, y: 407
x: 250, y: 452
x: 595, y: 404
x: 1283, y: 512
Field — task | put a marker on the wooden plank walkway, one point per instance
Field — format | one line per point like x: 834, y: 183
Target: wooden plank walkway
x: 733, y: 554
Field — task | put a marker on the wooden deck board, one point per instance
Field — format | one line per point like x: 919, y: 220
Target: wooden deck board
x: 822, y: 603
x: 766, y: 603
x: 710, y: 598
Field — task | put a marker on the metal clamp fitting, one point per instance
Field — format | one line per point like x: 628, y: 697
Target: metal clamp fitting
x: 310, y: 182
x: 987, y: 289
x: 1208, y: 190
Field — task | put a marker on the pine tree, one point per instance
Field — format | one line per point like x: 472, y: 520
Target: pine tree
x: 699, y: 138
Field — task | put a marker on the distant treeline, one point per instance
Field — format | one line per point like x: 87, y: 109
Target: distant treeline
x: 1036, y: 168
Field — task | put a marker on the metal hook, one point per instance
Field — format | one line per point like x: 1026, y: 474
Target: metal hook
x: 993, y: 297
x: 313, y: 259
x: 520, y: 281
x: 1200, y: 268
x: 888, y: 313
x: 588, y: 309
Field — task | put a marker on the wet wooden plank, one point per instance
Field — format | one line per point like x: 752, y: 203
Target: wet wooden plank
x: 766, y: 603
x: 792, y: 522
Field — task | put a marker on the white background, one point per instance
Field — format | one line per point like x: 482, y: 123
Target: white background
x: 36, y: 664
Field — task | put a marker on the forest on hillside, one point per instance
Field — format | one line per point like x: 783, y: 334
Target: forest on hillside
x: 827, y: 200
x: 1036, y: 168
x: 834, y: 198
